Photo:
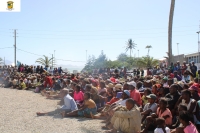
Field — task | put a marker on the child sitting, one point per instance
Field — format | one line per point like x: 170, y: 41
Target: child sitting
x: 78, y: 96
x: 144, y: 98
x: 161, y: 128
x: 162, y: 112
x: 189, y: 127
x: 22, y: 85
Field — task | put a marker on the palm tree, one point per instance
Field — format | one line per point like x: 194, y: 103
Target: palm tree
x: 171, y: 15
x: 147, y: 62
x: 130, y: 46
x: 148, y: 47
x: 45, y: 61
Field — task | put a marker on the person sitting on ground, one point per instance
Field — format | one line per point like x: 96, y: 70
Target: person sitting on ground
x: 126, y: 121
x: 68, y: 106
x: 150, y: 107
x: 109, y: 91
x: 194, y: 92
x: 161, y: 128
x: 88, y: 88
x: 177, y: 124
x: 88, y: 108
x: 162, y: 112
x: 22, y: 85
x: 172, y: 98
x: 135, y: 94
x: 188, y: 126
x: 114, y: 98
x: 147, y: 92
x: 78, y: 95
x: 116, y: 106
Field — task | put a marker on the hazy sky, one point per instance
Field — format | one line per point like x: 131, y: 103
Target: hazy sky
x: 73, y: 26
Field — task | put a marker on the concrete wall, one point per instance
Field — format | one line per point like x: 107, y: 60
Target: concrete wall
x: 179, y: 58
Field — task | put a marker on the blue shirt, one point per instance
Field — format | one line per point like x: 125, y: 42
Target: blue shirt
x: 69, y: 103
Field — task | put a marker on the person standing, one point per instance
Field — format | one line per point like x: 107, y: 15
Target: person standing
x: 193, y: 69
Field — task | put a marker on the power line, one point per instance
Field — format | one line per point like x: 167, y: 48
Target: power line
x: 101, y: 38
x: 29, y: 52
x: 42, y: 55
x: 108, y: 30
x: 104, y: 30
x: 103, y: 34
x: 6, y: 47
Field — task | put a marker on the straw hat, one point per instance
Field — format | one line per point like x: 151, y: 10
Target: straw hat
x: 118, y: 87
x: 110, y: 85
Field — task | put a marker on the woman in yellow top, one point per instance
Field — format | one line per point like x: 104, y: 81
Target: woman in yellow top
x: 89, y: 107
x: 22, y: 85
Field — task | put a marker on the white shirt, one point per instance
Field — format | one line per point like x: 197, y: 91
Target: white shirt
x: 121, y: 102
x: 69, y: 103
x: 50, y: 71
x: 159, y: 130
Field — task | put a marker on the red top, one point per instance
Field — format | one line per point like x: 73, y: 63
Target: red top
x: 135, y: 95
x: 48, y: 81
x: 113, y: 100
x: 79, y: 96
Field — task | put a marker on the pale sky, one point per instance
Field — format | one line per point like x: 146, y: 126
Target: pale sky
x: 73, y: 26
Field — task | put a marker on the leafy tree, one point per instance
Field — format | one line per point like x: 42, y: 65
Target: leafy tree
x: 45, y: 61
x: 114, y: 64
x: 130, y: 46
x: 147, y: 61
x: 100, y: 62
x: 122, y: 57
x: 90, y: 64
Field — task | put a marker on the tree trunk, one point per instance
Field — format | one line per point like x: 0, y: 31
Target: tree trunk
x: 130, y: 52
x: 171, y: 14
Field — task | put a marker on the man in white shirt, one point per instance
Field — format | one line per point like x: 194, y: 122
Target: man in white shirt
x: 68, y: 106
x: 50, y: 71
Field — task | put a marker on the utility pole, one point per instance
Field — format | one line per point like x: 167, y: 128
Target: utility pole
x: 198, y: 46
x: 54, y: 56
x: 15, y: 62
x: 178, y: 51
x: 52, y: 61
x: 4, y: 61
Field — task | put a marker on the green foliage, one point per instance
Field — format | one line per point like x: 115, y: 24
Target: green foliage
x: 122, y: 57
x: 147, y: 61
x: 100, y: 62
x: 45, y: 61
x: 122, y: 61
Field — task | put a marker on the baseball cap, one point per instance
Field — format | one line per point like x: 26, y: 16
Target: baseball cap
x: 127, y: 92
x: 132, y: 83
x: 152, y: 96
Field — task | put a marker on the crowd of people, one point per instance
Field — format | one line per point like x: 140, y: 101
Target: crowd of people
x: 165, y: 100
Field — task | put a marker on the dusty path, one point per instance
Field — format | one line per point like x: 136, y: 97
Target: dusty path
x: 18, y: 115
